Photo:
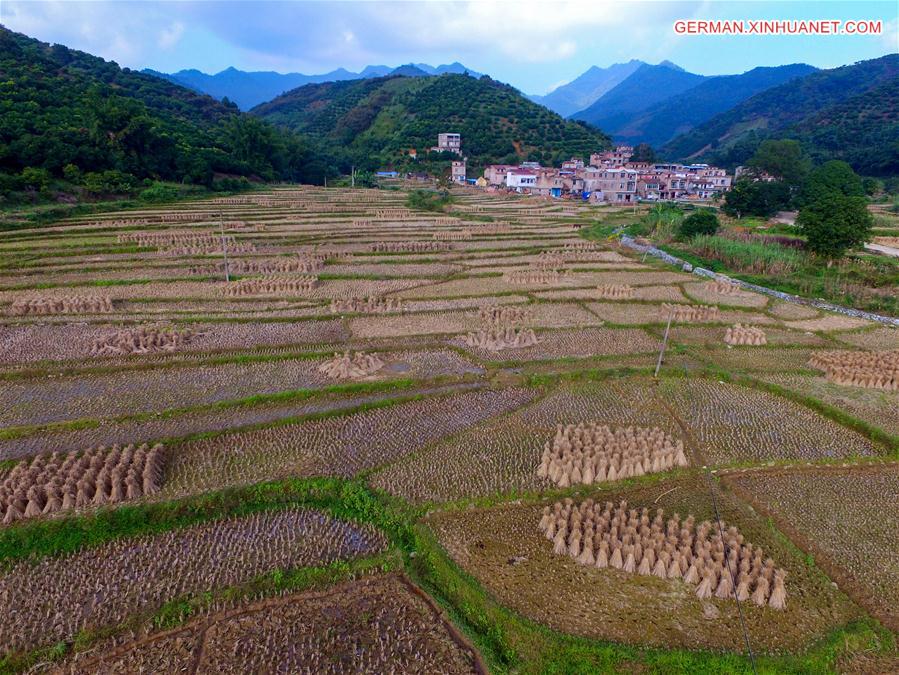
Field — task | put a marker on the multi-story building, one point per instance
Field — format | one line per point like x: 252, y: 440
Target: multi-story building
x: 622, y: 184
x: 495, y: 174
x: 612, y: 184
x: 572, y: 164
x: 458, y: 171
x: 612, y: 158
x: 448, y: 143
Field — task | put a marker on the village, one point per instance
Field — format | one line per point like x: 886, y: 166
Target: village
x: 610, y: 177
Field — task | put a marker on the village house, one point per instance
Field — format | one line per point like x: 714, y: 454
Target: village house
x: 610, y: 177
x: 612, y: 158
x: 448, y: 143
x: 521, y: 180
x: 616, y: 185
x: 458, y: 171
x: 572, y: 164
x: 549, y: 183
x: 495, y: 174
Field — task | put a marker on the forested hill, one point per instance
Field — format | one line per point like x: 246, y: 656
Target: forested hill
x: 64, y: 108
x: 863, y: 131
x: 678, y: 114
x: 817, y: 109
x: 377, y: 120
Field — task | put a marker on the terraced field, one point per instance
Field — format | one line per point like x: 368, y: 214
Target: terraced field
x: 363, y: 431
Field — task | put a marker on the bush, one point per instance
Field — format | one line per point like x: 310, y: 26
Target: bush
x: 35, y: 179
x: 702, y: 222
x: 423, y: 200
x: 158, y: 192
x: 109, y: 182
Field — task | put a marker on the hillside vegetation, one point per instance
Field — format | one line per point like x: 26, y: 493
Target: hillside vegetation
x: 372, y: 122
x: 818, y: 109
x: 67, y: 114
x: 682, y: 112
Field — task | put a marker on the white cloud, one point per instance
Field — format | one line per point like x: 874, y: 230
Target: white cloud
x: 128, y: 33
x: 170, y: 36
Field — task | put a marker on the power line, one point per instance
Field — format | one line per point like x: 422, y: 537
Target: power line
x: 712, y: 494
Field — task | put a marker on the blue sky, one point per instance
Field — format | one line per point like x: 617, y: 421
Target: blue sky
x: 531, y: 45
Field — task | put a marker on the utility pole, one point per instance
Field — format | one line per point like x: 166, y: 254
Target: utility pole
x: 353, y: 177
x: 664, y: 343
x: 224, y: 245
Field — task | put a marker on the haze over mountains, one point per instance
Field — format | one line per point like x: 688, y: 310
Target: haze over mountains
x: 658, y: 122
x: 250, y: 88
x: 582, y: 91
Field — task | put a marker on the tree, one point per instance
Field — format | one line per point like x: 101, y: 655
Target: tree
x: 756, y: 198
x: 34, y: 178
x: 701, y: 222
x: 782, y: 159
x: 834, y: 223
x: 643, y: 153
x: 829, y: 178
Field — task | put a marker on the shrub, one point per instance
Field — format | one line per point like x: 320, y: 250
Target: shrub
x: 159, y: 192
x: 35, y: 179
x: 109, y: 182
x: 423, y: 200
x: 702, y: 222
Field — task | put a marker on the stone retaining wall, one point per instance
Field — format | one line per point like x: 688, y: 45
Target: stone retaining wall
x: 786, y: 297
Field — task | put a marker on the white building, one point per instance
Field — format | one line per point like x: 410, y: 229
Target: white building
x: 521, y: 179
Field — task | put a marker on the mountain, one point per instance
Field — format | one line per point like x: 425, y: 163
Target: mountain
x: 862, y: 130
x: 410, y: 70
x: 375, y: 120
x: 586, y: 88
x: 678, y: 114
x: 248, y: 89
x: 646, y: 86
x: 64, y: 107
x: 803, y: 108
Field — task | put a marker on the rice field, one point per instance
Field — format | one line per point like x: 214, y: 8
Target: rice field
x: 377, y: 395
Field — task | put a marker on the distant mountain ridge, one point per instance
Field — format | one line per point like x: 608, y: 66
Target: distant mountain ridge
x: 646, y: 86
x: 678, y: 114
x: 582, y: 91
x: 250, y: 88
x: 836, y: 113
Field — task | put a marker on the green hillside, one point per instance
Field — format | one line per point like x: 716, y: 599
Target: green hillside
x: 663, y: 121
x: 374, y: 121
x: 64, y: 108
x: 863, y: 131
x: 812, y: 109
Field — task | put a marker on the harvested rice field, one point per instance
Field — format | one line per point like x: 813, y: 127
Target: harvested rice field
x: 400, y: 441
x: 142, y: 574
x: 503, y: 548
x: 376, y: 624
x: 880, y: 408
x: 841, y: 515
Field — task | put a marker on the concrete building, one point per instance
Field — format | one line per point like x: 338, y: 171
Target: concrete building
x: 448, y: 143
x: 458, y: 171
x: 521, y: 180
